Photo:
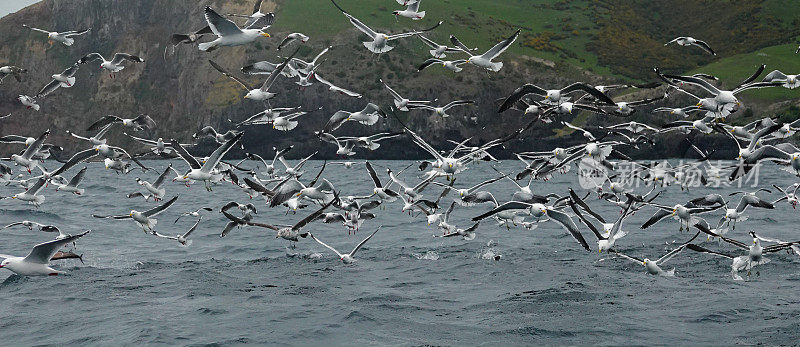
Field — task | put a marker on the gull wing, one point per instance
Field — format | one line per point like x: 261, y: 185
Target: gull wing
x: 188, y: 158
x: 373, y: 175
x: 43, y: 252
x: 517, y: 95
x: 77, y: 178
x: 299, y: 225
x: 220, y: 152
x: 274, y: 75
x: 353, y: 253
x: 578, y: 86
x: 120, y: 57
x: 325, y: 244
x: 229, y: 75
x: 36, y: 29
x: 357, y: 23
x: 567, y: 222
x: 220, y: 25
x: 77, y: 158
x: 158, y: 209
x: 500, y: 47
x: 511, y: 205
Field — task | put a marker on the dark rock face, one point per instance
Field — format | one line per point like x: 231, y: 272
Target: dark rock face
x: 183, y: 93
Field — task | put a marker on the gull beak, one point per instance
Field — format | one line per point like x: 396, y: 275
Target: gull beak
x: 247, y: 96
x: 599, y: 250
x: 699, y: 104
x: 674, y: 210
x: 97, y: 149
x: 185, y: 177
x: 130, y: 214
x: 298, y: 194
x: 265, y: 34
x: 644, y: 263
x: 13, y: 197
x: 738, y: 103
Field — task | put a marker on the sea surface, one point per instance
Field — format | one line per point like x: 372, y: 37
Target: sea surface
x: 406, y: 288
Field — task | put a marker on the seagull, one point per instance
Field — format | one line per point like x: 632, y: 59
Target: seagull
x: 229, y: 34
x: 471, y: 196
x: 262, y: 93
x: 269, y: 168
x: 64, y: 37
x: 453, y: 65
x: 139, y: 123
x: 144, y: 219
x: 755, y: 252
x: 690, y: 41
x: 290, y: 233
x: 247, y: 215
x: 346, y: 258
x: 732, y: 215
x: 207, y: 172
x: 485, y: 60
x: 442, y: 111
x: 29, y: 102
x: 653, y: 267
x: 72, y: 185
x: 367, y: 116
x: 400, y: 102
x: 605, y: 241
x: 26, y: 158
x: 438, y: 51
x: 37, y: 262
x: 554, y: 96
x: 379, y: 40
x: 291, y: 38
x: 791, y: 198
x: 790, y: 81
x: 182, y: 239
x: 467, y: 234
x: 177, y: 39
x: 294, y: 171
x: 218, y: 137
x: 156, y: 190
x: 11, y: 70
x: 267, y: 115
x: 113, y: 65
x: 65, y: 79
x: 412, y: 11
x: 195, y: 213
x: 540, y: 210
x: 255, y: 16
x: 30, y: 225
x: 380, y: 190
x: 725, y: 100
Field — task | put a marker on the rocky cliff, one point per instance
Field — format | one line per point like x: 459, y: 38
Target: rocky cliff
x: 182, y: 92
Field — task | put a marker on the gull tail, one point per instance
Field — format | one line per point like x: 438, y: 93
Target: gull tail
x: 496, y: 66
x: 371, y: 47
x: 290, y: 126
x: 70, y: 82
x: 69, y: 41
x: 440, y: 56
x: 371, y: 119
x: 419, y: 16
x: 206, y: 46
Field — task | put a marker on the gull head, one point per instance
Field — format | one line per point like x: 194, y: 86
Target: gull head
x: 645, y: 261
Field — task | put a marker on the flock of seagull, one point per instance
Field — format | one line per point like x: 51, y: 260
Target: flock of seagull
x: 434, y: 191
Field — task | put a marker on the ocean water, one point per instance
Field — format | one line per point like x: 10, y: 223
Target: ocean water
x: 406, y: 288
